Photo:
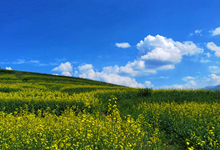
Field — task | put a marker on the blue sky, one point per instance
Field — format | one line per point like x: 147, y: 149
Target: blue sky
x: 141, y: 43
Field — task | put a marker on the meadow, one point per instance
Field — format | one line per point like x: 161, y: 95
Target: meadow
x: 42, y: 111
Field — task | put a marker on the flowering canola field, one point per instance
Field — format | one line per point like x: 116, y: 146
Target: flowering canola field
x: 32, y: 116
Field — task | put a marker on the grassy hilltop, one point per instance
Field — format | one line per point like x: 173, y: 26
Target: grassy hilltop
x: 43, y: 111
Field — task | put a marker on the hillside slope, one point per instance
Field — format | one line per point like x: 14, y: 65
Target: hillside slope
x: 13, y: 76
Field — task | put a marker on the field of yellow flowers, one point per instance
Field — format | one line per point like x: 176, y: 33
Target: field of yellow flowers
x: 59, y: 115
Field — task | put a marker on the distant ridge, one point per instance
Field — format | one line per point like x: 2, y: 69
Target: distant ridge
x: 213, y: 88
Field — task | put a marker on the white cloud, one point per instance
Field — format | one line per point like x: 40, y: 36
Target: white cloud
x: 128, y: 69
x: 208, y: 54
x: 86, y: 71
x: 214, y: 69
x: 166, y: 67
x: 76, y: 73
x: 55, y: 74
x: 135, y: 68
x: 66, y: 73
x: 163, y: 49
x: 8, y: 68
x: 188, y: 48
x: 191, y: 83
x: 148, y: 84
x: 215, y: 80
x: 187, y: 78
x: 155, y: 53
x: 85, y: 67
x: 122, y: 45
x: 64, y: 67
x: 195, y: 84
x: 110, y: 69
x: 213, y: 47
x: 158, y: 48
x: 116, y: 79
x: 216, y: 31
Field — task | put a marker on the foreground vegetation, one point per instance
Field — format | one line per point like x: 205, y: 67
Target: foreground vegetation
x: 52, y: 112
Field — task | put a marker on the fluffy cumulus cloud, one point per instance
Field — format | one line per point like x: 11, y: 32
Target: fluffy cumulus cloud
x: 107, y: 75
x: 65, y: 68
x: 188, y: 48
x: 216, y: 31
x: 160, y: 48
x: 8, y: 68
x: 155, y: 53
x: 111, y: 69
x: 122, y: 45
x: 213, y: 47
x: 85, y: 67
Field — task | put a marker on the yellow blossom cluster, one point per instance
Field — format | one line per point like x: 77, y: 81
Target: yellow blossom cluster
x: 25, y: 130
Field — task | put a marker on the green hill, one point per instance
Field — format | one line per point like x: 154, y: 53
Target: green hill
x: 13, y: 76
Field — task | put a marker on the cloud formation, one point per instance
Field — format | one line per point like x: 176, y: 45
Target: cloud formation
x: 8, y: 68
x: 135, y: 68
x: 187, y: 78
x: 216, y: 31
x: 213, y: 47
x: 122, y: 45
x: 215, y: 80
x: 163, y: 49
x: 155, y: 53
x: 65, y: 68
x: 87, y: 71
x: 214, y: 69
